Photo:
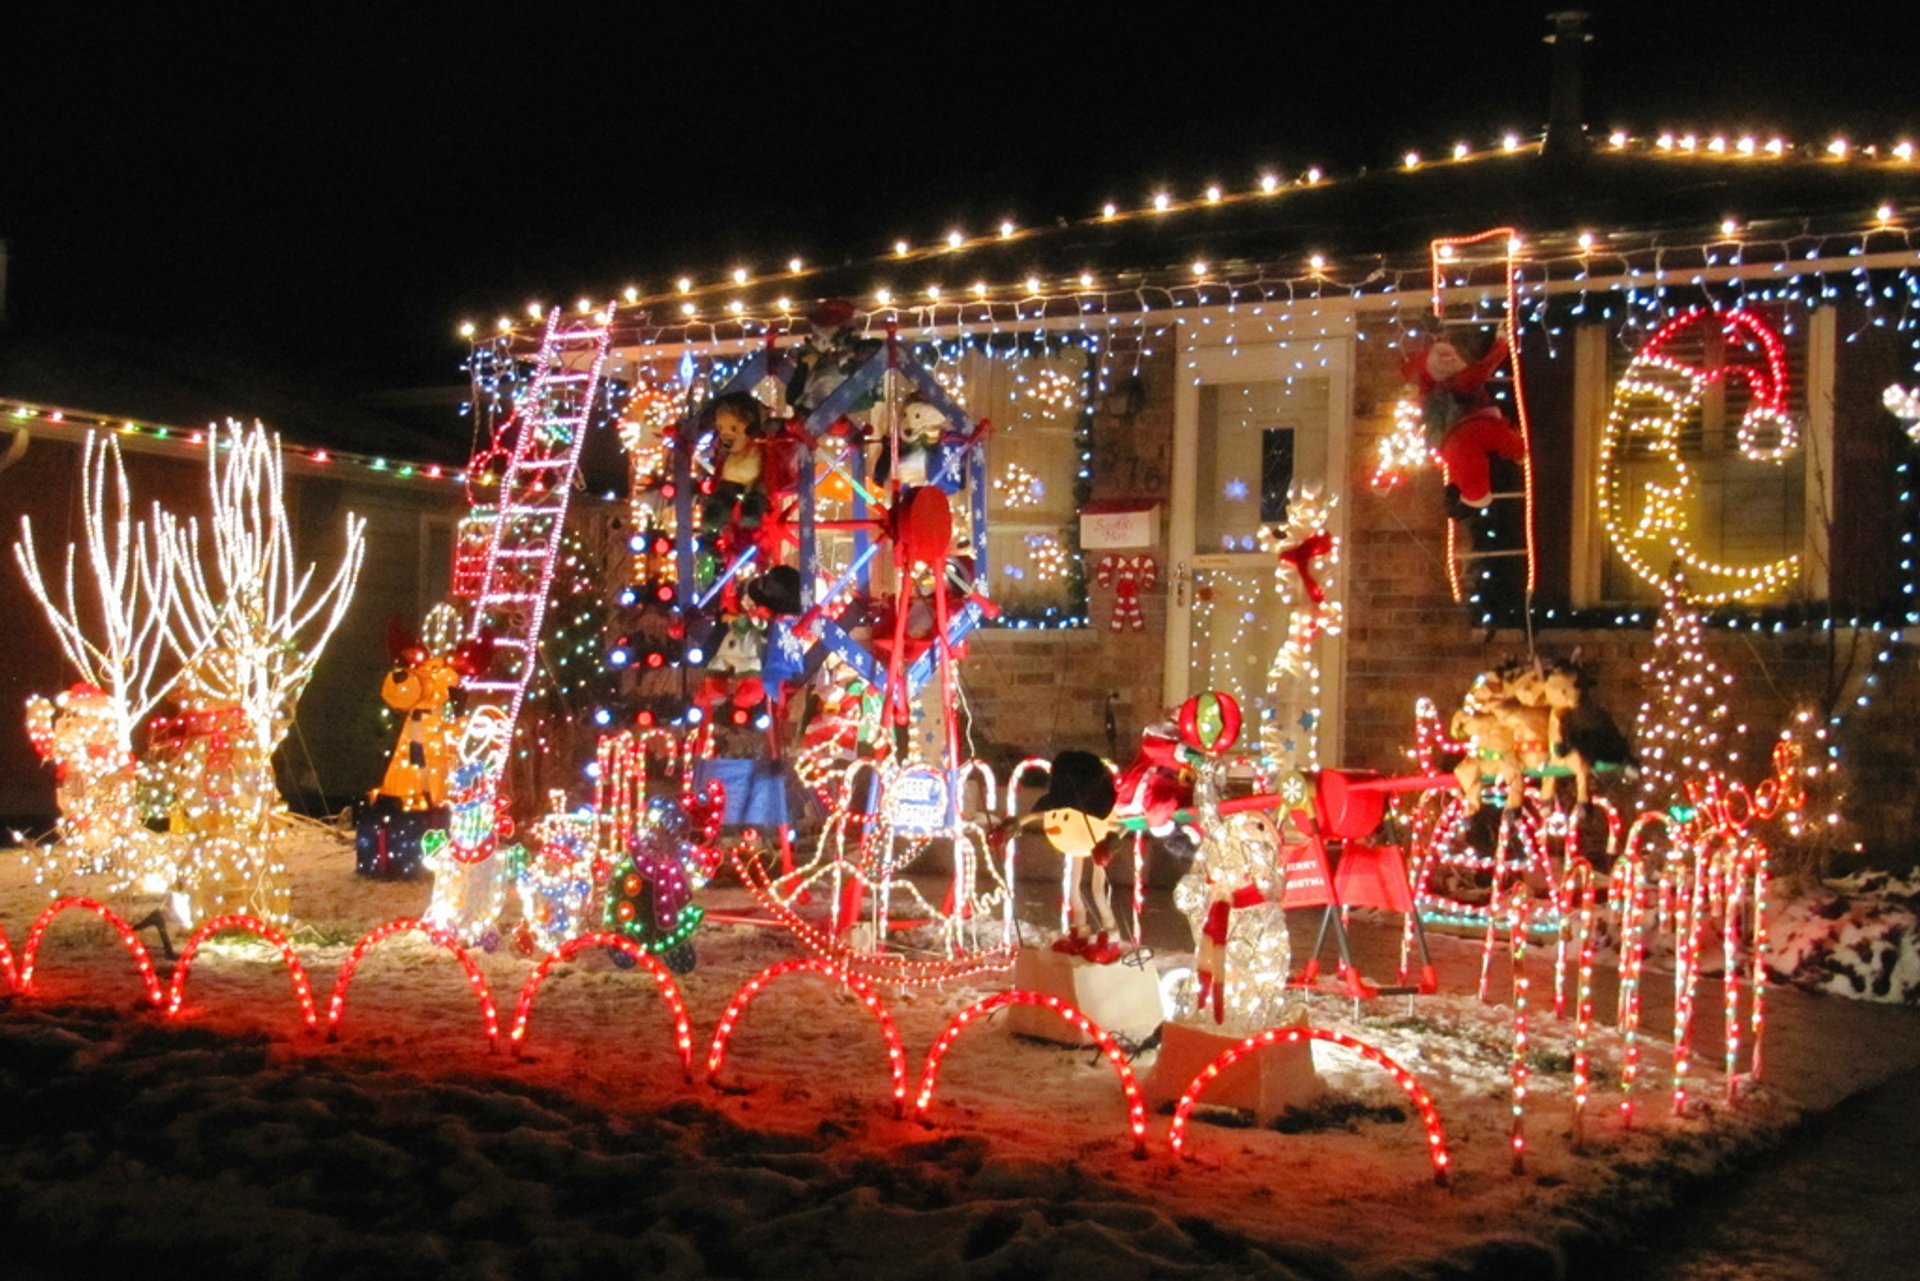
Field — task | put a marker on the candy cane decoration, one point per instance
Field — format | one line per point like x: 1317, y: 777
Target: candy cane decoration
x: 1129, y: 576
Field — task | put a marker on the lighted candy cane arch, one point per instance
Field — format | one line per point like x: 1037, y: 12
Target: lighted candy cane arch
x: 30, y: 954
x: 1409, y: 1085
x: 296, y: 972
x: 337, y: 1004
x: 662, y: 977
x: 730, y: 1018
x: 930, y: 1074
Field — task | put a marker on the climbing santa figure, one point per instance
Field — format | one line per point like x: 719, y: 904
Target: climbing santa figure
x: 1463, y: 423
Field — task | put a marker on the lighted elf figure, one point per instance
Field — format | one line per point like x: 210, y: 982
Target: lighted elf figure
x: 1232, y: 897
x: 555, y: 884
x: 469, y: 877
x: 1076, y: 816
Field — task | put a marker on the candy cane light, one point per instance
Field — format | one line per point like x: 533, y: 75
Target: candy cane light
x: 30, y: 954
x: 337, y: 1004
x: 296, y: 972
x: 1409, y: 1085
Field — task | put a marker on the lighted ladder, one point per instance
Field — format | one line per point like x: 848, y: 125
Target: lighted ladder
x: 550, y: 423
x: 1504, y: 532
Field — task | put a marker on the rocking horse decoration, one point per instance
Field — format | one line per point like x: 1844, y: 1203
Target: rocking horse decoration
x: 412, y: 797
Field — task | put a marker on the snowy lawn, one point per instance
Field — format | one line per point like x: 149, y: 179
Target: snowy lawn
x: 233, y: 1136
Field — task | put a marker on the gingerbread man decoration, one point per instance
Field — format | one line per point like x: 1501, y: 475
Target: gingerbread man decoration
x: 1128, y: 576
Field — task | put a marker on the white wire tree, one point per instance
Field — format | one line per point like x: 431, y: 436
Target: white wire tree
x: 118, y: 638
x: 251, y: 632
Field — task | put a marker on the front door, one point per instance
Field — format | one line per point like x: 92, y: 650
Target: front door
x: 1250, y: 423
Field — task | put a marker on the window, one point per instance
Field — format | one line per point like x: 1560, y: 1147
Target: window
x: 1705, y: 445
x: 1037, y: 398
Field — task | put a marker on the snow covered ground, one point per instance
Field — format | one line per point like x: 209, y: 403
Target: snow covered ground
x: 233, y: 1137
x: 1858, y: 937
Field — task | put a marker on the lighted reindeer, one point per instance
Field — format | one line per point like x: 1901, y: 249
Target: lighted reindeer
x: 1581, y: 736
x: 1503, y: 736
x: 1534, y: 718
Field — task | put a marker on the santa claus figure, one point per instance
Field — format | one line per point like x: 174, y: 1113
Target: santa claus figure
x: 1462, y: 420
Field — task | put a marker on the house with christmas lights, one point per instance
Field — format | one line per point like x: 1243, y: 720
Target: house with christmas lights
x: 1541, y: 387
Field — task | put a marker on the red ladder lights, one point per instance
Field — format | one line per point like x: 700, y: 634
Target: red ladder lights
x: 662, y: 977
x: 1136, y: 1104
x: 1443, y: 252
x: 1416, y: 1094
x: 530, y: 513
x: 337, y: 1004
x: 30, y: 956
x: 730, y: 1018
x: 302, y: 988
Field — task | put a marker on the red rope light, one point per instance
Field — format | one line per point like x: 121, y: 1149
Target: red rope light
x: 1422, y: 1102
x: 1136, y: 1105
x: 886, y: 967
x: 302, y: 988
x: 31, y: 954
x: 7, y: 966
x: 336, y: 1006
x: 896, y: 1052
x: 662, y: 977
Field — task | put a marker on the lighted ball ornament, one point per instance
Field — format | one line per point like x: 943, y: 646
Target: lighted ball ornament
x: 1209, y: 722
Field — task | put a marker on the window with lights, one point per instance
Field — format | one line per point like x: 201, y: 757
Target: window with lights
x: 1037, y: 396
x: 1707, y: 438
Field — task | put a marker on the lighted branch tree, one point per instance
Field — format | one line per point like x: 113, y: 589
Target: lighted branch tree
x: 249, y: 624
x: 118, y: 640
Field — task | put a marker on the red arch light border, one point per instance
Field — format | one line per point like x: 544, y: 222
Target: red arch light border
x: 30, y: 955
x: 336, y: 1004
x: 1415, y: 1092
x: 737, y: 1004
x: 662, y: 977
x: 1136, y: 1104
x: 296, y: 972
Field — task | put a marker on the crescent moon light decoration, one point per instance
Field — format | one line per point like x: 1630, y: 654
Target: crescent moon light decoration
x: 1651, y: 521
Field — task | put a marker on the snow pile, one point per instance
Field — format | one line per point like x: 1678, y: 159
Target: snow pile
x: 1859, y: 938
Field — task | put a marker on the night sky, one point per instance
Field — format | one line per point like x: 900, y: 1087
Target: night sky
x: 329, y: 193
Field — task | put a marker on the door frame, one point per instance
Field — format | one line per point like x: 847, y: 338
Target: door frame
x: 1241, y: 344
